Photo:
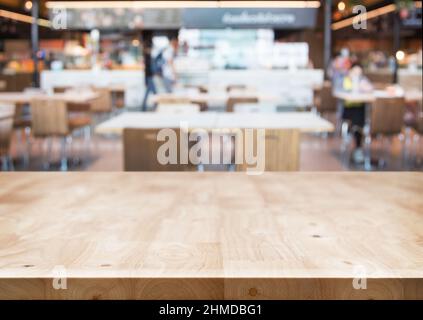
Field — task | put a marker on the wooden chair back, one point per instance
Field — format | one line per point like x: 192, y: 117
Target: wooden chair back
x: 387, y: 116
x: 102, y: 104
x: 419, y: 118
x: 379, y: 85
x: 49, y: 117
x: 282, y: 149
x: 7, y: 112
x: 386, y: 79
x: 19, y: 112
x: 61, y: 89
x: 232, y: 101
x: 140, y: 148
x: 120, y: 99
x: 325, y: 101
x: 3, y: 85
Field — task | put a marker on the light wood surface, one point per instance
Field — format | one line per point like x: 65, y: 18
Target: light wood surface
x: 27, y: 97
x: 282, y: 150
x: 140, y: 149
x: 153, y: 120
x: 103, y: 104
x: 304, y: 121
x: 49, y: 118
x: 211, y: 235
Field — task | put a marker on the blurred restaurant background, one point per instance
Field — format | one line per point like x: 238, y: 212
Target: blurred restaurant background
x: 337, y: 84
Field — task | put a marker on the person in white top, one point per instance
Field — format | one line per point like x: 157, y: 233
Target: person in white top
x: 169, y: 74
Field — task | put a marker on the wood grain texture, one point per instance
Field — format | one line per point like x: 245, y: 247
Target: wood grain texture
x: 281, y: 151
x: 140, y: 151
x: 27, y: 97
x: 103, y: 104
x: 211, y: 235
x: 49, y: 118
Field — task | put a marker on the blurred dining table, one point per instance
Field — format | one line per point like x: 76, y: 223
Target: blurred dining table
x: 68, y: 96
x: 304, y: 121
x: 369, y: 97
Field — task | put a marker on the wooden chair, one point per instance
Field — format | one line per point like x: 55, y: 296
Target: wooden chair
x: 118, y: 98
x: 140, y: 149
x: 282, y: 149
x: 22, y: 122
x: 387, y: 79
x: 50, y: 118
x: 418, y: 127
x: 380, y: 85
x: 103, y: 104
x: 61, y: 89
x: 232, y: 101
x: 324, y: 101
x: 7, y: 112
x: 385, y: 120
x: 3, y: 85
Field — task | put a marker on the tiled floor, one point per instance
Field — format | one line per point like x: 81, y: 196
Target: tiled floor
x: 106, y: 154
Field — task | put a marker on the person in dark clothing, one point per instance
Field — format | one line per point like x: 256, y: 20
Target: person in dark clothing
x: 355, y: 112
x: 149, y: 73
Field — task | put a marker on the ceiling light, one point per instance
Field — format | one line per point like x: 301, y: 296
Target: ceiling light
x: 28, y: 5
x: 400, y: 55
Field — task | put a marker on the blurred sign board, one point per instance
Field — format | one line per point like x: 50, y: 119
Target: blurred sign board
x: 286, y: 18
x: 210, y: 18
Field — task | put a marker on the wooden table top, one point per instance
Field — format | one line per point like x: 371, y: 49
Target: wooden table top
x: 211, y: 235
x: 305, y: 121
x: 26, y: 97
